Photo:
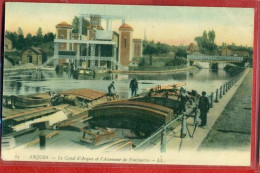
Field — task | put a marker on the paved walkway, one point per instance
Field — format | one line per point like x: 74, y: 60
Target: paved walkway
x: 233, y: 127
x: 174, y: 142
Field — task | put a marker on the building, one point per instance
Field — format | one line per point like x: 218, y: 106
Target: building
x: 101, y: 47
x: 138, y: 47
x: 8, y: 45
x: 227, y: 52
x: 34, y: 55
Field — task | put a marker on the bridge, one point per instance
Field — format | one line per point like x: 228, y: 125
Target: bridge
x: 214, y: 59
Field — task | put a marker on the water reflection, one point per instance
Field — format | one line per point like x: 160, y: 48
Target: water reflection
x: 44, y: 81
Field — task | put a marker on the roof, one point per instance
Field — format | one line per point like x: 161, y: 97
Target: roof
x: 87, y: 94
x: 100, y: 27
x: 7, y: 40
x: 64, y: 25
x: 137, y: 40
x: 125, y: 26
x: 36, y: 50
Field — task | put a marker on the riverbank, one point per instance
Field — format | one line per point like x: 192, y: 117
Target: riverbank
x: 233, y: 128
x: 190, y: 68
x: 25, y: 67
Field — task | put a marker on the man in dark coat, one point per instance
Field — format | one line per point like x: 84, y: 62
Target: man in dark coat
x: 204, y: 108
x: 110, y: 87
x: 133, y: 86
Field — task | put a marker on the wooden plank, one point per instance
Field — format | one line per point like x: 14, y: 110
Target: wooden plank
x: 114, y: 143
x: 125, y: 144
x: 31, y: 111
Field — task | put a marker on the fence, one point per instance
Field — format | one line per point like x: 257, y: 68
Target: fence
x: 161, y: 132
x: 222, y: 90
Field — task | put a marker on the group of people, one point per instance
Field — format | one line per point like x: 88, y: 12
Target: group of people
x: 133, y: 86
x: 203, y: 105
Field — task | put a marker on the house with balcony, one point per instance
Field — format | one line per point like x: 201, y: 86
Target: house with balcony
x: 100, y: 48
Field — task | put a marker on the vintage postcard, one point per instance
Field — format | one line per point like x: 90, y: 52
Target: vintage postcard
x: 127, y: 84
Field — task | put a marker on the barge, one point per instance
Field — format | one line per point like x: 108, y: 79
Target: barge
x: 102, y: 119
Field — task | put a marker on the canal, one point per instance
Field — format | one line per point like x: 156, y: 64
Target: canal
x: 32, y: 82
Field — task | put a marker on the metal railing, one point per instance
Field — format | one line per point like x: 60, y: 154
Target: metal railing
x: 155, y: 136
x: 223, y: 89
x: 162, y: 131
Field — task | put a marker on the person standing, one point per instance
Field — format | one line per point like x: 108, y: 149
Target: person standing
x: 204, y: 108
x: 110, y: 87
x: 133, y: 86
x: 183, y: 99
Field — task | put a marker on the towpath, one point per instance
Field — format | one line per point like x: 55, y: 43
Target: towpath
x: 231, y: 114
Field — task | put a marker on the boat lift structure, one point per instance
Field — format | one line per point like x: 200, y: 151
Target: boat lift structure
x: 91, y: 46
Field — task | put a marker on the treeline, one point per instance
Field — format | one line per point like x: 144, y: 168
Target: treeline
x: 151, y: 48
x: 21, y: 42
x: 206, y: 44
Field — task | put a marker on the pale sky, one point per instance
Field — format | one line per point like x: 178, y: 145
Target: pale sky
x: 167, y: 24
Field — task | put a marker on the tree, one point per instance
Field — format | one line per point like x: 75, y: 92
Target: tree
x: 29, y: 40
x: 75, y: 25
x: 20, y: 41
x: 48, y: 37
x: 211, y: 35
x: 206, y: 42
x: 181, y: 52
x: 38, y: 38
x: 150, y: 49
x: 199, y: 42
x: 13, y: 36
x: 20, y: 31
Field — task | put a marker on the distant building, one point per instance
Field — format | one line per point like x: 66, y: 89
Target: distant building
x: 138, y: 47
x: 126, y: 44
x: 101, y: 47
x: 34, y: 55
x: 64, y: 31
x: 8, y: 45
x: 227, y: 52
x: 241, y: 53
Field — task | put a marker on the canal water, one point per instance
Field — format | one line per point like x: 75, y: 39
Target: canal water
x: 32, y: 82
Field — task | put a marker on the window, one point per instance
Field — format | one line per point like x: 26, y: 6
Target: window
x: 125, y: 42
x: 70, y: 46
x: 62, y: 36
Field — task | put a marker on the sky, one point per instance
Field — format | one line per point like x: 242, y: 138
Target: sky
x: 167, y: 24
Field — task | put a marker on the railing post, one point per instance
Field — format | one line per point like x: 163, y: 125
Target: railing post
x: 184, y: 126
x: 220, y: 92
x: 226, y: 86
x: 224, y: 89
x: 163, y: 140
x: 211, y: 100
x: 216, y: 100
